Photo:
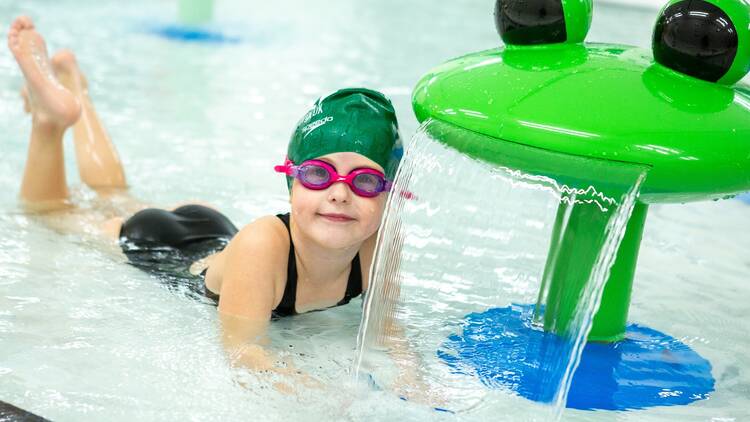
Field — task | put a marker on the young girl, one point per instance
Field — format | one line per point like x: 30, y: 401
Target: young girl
x: 316, y: 257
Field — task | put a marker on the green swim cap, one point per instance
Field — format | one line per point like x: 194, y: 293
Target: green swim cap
x: 349, y: 120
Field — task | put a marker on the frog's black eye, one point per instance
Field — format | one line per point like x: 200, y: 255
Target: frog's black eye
x: 530, y: 22
x: 697, y: 38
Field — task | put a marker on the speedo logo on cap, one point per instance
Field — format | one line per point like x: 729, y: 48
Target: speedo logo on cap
x: 317, y: 109
x: 307, y: 129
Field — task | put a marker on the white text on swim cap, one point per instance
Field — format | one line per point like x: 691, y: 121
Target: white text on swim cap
x: 317, y: 109
x: 314, y: 125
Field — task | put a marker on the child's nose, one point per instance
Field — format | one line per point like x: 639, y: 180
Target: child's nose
x: 339, y: 192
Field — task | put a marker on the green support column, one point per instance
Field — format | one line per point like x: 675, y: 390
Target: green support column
x: 577, y: 239
x: 611, y: 319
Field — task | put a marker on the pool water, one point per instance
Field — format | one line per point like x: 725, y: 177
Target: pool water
x: 85, y: 337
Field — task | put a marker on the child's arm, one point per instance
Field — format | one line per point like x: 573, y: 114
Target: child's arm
x: 256, y: 258
x: 244, y: 342
x: 254, y: 265
x: 410, y: 382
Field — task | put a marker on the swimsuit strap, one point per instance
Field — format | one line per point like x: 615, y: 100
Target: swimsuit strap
x: 286, y: 306
x: 354, y: 284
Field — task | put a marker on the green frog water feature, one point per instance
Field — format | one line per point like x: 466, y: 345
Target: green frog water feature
x: 678, y: 113
x: 592, y: 115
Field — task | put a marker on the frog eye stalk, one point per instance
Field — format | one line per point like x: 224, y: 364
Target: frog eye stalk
x: 532, y: 22
x: 706, y: 39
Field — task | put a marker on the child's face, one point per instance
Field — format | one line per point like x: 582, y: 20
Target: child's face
x: 336, y: 217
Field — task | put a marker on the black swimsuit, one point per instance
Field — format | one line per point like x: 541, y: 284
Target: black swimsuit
x: 165, y: 244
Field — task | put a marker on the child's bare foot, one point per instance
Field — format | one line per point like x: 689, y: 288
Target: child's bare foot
x: 68, y: 73
x: 49, y: 102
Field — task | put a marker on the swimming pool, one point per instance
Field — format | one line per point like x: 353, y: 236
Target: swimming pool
x: 86, y: 337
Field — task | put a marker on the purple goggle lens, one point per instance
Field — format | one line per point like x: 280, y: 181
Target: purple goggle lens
x: 319, y: 175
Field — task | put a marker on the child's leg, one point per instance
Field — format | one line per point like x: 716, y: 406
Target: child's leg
x: 53, y: 108
x: 98, y: 163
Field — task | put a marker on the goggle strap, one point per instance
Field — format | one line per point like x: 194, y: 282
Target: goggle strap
x: 288, y: 168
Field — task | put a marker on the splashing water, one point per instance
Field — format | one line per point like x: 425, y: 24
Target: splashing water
x: 472, y: 236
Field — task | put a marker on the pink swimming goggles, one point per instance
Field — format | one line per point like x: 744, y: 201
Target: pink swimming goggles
x: 319, y: 175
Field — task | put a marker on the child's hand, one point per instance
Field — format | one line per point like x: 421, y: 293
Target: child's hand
x: 410, y: 386
x: 294, y: 378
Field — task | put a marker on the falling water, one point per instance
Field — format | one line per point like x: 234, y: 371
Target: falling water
x: 462, y: 236
x: 591, y: 299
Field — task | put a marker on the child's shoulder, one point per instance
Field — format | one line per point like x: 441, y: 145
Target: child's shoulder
x: 268, y: 233
x: 254, y: 270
